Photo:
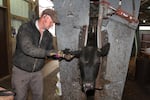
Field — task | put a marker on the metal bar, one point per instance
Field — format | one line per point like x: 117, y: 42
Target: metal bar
x: 86, y: 36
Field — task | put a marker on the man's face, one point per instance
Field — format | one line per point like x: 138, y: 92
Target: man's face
x: 48, y: 22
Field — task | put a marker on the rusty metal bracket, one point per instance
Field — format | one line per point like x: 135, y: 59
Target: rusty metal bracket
x: 118, y: 11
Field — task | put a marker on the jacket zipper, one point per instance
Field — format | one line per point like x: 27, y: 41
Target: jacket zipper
x: 34, y: 65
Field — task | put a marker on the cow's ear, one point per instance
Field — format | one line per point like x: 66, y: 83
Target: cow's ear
x: 104, y: 50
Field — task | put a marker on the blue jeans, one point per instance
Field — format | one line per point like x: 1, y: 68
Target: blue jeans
x: 22, y: 81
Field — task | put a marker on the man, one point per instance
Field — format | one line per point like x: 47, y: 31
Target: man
x: 34, y: 44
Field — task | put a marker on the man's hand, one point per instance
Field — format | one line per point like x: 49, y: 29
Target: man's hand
x: 61, y: 54
x: 56, y: 53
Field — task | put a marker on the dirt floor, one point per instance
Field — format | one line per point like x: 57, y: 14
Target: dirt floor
x: 132, y: 90
x: 50, y: 87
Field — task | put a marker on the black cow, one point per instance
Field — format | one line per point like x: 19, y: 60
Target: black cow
x: 89, y: 62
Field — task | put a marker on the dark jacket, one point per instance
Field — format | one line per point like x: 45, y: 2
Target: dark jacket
x: 29, y: 54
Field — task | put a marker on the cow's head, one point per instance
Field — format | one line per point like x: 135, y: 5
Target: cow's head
x: 89, y: 62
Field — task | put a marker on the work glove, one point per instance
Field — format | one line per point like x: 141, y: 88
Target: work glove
x: 56, y: 53
x: 60, y: 54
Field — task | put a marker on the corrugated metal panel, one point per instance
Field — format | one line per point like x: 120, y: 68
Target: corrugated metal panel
x: 19, y: 7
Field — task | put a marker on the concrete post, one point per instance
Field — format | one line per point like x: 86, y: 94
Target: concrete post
x: 121, y: 35
x: 73, y: 15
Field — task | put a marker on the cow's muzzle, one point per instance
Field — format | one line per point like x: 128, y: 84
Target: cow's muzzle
x: 88, y: 86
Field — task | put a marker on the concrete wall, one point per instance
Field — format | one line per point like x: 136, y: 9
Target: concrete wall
x: 121, y: 35
x: 73, y: 14
x: 121, y: 39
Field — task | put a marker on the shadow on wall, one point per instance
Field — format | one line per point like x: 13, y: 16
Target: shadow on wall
x: 49, y: 67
